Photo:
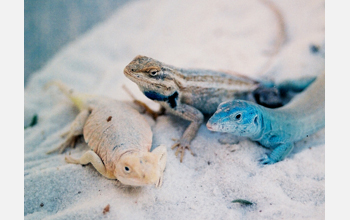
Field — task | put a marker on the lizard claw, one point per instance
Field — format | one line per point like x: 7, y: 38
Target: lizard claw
x: 182, y: 146
x: 266, y: 160
x: 70, y: 159
x: 160, y: 181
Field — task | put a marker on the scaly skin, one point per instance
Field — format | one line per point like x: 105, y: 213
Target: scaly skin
x: 120, y: 145
x: 279, y: 128
x: 190, y: 93
x: 187, y: 93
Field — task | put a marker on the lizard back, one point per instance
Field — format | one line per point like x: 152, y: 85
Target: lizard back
x: 304, y: 115
x: 206, y: 89
x: 108, y: 133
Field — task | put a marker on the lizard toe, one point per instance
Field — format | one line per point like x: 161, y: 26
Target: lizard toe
x: 266, y: 160
x: 181, y: 148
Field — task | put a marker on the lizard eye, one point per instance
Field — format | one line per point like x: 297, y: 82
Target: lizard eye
x: 153, y: 72
x: 238, y: 116
x: 127, y: 169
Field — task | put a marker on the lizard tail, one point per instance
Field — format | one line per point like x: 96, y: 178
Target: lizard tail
x: 78, y: 99
x: 281, y: 35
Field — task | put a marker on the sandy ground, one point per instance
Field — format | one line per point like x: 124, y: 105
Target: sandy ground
x: 225, y: 35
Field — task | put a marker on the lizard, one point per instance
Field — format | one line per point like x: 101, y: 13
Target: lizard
x: 190, y: 93
x: 119, y: 138
x: 278, y: 128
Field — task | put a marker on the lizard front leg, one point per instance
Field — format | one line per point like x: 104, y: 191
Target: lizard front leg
x: 193, y: 115
x: 75, y: 130
x: 91, y: 157
x: 278, y: 154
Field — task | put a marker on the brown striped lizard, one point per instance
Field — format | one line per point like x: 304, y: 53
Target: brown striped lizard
x: 119, y: 145
x: 190, y: 93
x: 187, y: 93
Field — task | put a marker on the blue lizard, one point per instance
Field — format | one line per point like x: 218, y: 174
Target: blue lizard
x: 276, y: 129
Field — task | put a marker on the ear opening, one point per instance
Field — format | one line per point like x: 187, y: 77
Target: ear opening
x: 256, y: 120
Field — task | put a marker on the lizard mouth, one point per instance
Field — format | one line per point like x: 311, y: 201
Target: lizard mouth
x: 133, y: 77
x: 218, y: 127
x: 128, y: 73
x: 209, y: 126
x: 213, y: 126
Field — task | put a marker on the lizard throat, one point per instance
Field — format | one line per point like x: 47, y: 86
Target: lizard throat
x: 158, y: 97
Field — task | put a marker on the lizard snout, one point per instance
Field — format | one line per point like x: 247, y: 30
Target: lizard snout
x: 211, y: 126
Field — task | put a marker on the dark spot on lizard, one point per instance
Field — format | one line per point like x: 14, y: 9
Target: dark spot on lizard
x: 172, y: 99
x: 41, y: 204
x: 155, y: 96
x: 158, y: 97
x: 109, y: 118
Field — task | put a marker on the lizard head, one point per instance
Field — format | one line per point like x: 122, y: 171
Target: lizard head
x: 138, y: 169
x: 238, y: 117
x: 152, y: 76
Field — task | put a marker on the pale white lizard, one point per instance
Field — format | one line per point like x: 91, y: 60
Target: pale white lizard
x: 119, y: 137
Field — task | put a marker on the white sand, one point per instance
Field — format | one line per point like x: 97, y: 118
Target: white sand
x: 226, y: 35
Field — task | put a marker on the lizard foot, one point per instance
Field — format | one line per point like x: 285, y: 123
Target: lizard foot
x: 266, y: 160
x: 181, y: 147
x: 160, y: 181
x: 70, y: 159
x: 149, y: 111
